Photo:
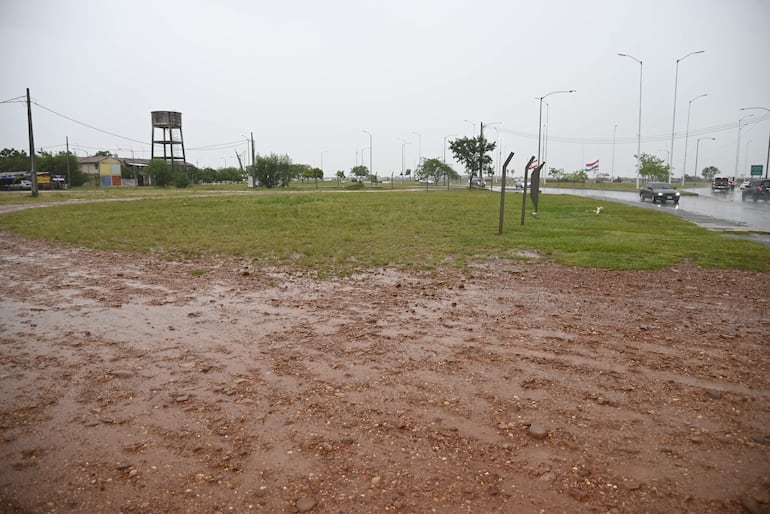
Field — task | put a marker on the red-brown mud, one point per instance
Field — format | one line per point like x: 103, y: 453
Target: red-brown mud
x: 133, y: 384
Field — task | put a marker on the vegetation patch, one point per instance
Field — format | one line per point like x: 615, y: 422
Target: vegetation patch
x: 340, y: 233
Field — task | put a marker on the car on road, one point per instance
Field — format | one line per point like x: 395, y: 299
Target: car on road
x: 722, y: 184
x: 22, y: 185
x: 757, y: 190
x: 659, y: 192
x: 478, y: 182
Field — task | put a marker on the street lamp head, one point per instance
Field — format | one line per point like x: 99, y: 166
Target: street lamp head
x: 630, y: 57
x: 688, y: 55
x: 747, y: 108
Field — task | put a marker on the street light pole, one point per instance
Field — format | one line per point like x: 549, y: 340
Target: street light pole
x: 445, y: 138
x: 419, y: 148
x: 482, y: 146
x: 612, y: 166
x: 673, y: 121
x: 639, y: 128
x: 371, y: 170
x: 404, y: 142
x: 767, y: 159
x: 738, y: 145
x: 687, y: 135
x: 697, y: 147
x: 540, y: 120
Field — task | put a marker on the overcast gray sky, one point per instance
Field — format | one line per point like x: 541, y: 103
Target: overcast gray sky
x: 308, y: 77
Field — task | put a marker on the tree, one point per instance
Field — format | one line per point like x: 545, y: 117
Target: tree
x: 340, y: 176
x: 556, y: 173
x: 468, y: 150
x: 274, y: 170
x: 653, y: 168
x: 231, y: 174
x: 435, y: 170
x: 359, y: 171
x: 577, y: 176
x: 12, y: 160
x: 160, y: 173
x: 710, y: 172
x: 56, y: 164
x: 181, y: 179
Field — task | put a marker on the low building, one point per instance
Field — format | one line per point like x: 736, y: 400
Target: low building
x: 105, y: 170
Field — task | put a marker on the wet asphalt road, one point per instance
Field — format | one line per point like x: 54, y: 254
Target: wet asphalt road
x: 714, y: 211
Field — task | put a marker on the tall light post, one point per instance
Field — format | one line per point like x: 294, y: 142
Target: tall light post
x: 639, y: 128
x: 612, y: 166
x: 687, y: 135
x: 738, y: 144
x: 673, y: 121
x: 697, y: 147
x: 540, y: 120
x: 545, y: 138
x: 482, y: 149
x: 767, y: 159
x: 498, y: 163
x: 419, y: 148
x: 371, y: 170
x: 445, y: 138
x: 404, y: 142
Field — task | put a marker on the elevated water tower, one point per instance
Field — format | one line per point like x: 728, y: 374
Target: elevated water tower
x: 167, y: 140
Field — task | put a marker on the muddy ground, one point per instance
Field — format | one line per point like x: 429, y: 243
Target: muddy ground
x: 129, y: 383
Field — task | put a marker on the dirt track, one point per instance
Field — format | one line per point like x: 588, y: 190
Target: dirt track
x: 133, y: 384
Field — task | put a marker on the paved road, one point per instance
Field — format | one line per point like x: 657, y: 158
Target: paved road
x: 714, y: 211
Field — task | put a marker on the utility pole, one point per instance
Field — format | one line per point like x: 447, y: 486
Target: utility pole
x: 481, y: 151
x: 253, y: 162
x: 67, y: 140
x: 32, y: 164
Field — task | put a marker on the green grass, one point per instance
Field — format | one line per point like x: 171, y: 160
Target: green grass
x: 339, y: 233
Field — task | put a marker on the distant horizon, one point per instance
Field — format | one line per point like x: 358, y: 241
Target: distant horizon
x: 319, y: 81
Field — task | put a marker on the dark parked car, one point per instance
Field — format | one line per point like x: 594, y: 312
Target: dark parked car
x: 757, y: 190
x: 659, y: 192
x: 722, y: 184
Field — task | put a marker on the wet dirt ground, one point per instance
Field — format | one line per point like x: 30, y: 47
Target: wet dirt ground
x: 129, y: 383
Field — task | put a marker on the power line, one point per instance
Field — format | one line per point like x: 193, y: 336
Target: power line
x: 17, y: 100
x: 220, y: 146
x: 90, y: 126
x: 648, y: 139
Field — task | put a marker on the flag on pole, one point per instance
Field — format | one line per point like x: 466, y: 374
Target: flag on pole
x: 591, y: 166
x: 533, y: 165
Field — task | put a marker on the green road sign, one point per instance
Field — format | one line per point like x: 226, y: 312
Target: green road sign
x: 756, y: 170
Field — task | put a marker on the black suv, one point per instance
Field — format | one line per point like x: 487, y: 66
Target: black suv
x: 757, y: 190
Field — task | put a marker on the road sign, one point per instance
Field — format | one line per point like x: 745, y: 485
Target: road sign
x: 756, y: 170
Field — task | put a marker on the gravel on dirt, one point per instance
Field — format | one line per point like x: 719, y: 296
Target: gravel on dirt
x: 131, y: 383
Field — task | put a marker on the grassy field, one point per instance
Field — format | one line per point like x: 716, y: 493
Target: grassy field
x: 342, y: 232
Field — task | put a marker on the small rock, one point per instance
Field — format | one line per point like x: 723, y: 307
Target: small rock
x: 751, y: 505
x: 306, y: 504
x: 122, y: 373
x: 376, y: 481
x: 538, y: 431
x: 182, y: 398
x: 716, y: 395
